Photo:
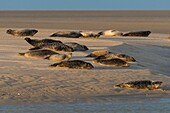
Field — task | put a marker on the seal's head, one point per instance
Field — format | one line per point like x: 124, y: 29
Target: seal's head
x: 88, y: 66
x: 9, y: 31
x: 100, y: 33
x: 156, y: 84
x: 27, y: 39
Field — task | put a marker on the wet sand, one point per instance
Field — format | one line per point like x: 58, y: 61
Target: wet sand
x: 156, y: 21
x: 26, y: 80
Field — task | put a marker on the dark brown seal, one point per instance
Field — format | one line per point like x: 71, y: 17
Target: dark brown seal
x: 138, y: 33
x: 54, y: 45
x: 73, y: 64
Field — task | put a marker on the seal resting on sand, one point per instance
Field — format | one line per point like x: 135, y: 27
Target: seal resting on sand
x: 67, y: 34
x: 73, y: 64
x: 138, y: 33
x: 76, y: 46
x: 98, y: 53
x: 40, y: 53
x: 24, y: 32
x: 46, y: 54
x: 116, y: 55
x: 89, y: 35
x: 111, y: 62
x: 111, y: 33
x: 54, y: 45
x: 59, y: 57
x: 142, y: 84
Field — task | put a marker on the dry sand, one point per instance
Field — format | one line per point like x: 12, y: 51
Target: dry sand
x: 24, y: 80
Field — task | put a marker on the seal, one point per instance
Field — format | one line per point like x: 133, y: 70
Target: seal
x: 46, y: 54
x: 138, y: 33
x: 73, y: 64
x: 53, y: 45
x: 24, y: 32
x: 67, y: 34
x: 76, y: 46
x: 40, y: 53
x: 111, y: 62
x: 141, y: 84
x: 98, y: 53
x: 111, y: 33
x: 59, y: 57
x: 116, y: 55
x: 89, y: 35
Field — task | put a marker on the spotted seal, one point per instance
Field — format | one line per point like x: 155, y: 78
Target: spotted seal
x: 98, y: 53
x: 138, y: 33
x: 46, y: 54
x: 111, y: 33
x: 117, y: 55
x: 111, y: 62
x: 40, y: 53
x: 23, y: 32
x: 89, y: 35
x: 141, y: 84
x: 67, y: 34
x: 54, y: 45
x: 73, y: 64
x: 59, y: 57
x: 76, y: 46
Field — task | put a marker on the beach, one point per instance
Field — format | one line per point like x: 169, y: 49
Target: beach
x: 31, y: 81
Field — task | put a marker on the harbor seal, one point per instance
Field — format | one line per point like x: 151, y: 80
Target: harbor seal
x: 142, y: 84
x: 138, y: 33
x: 111, y: 62
x: 59, y: 57
x: 98, y: 53
x: 111, y: 33
x: 40, y: 53
x: 89, y: 35
x: 54, y: 45
x: 116, y: 55
x: 46, y: 54
x: 76, y: 46
x: 73, y: 64
x: 24, y: 32
x: 67, y: 34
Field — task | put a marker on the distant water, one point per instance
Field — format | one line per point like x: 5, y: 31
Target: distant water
x: 156, y: 106
x: 156, y: 21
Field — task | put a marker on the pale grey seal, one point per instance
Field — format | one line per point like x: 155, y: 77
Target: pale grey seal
x: 111, y: 33
x: 89, y: 35
x: 40, y: 53
x: 67, y: 34
x: 98, y: 53
x: 46, y: 54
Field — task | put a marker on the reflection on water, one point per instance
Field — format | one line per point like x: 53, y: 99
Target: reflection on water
x: 158, y: 106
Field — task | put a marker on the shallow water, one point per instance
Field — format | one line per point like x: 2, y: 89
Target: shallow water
x: 154, y: 106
